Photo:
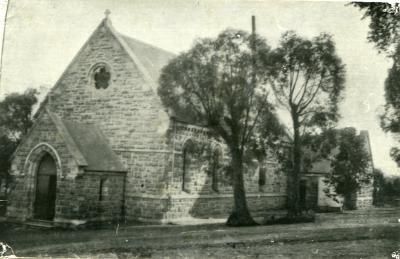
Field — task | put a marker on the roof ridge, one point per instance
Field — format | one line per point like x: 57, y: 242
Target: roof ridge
x: 131, y: 54
x: 147, y: 44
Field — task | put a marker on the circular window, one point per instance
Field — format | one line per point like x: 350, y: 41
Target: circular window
x: 101, y: 76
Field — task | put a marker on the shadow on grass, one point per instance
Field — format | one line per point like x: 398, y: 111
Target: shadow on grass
x: 305, y: 217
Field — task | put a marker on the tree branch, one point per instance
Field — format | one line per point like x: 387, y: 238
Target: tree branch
x: 303, y: 107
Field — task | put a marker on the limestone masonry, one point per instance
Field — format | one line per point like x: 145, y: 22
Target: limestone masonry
x: 112, y: 151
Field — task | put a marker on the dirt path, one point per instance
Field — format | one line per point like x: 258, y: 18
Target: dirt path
x: 360, y: 235
x: 174, y: 239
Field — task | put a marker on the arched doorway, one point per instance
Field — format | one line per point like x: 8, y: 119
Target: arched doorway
x: 46, y: 186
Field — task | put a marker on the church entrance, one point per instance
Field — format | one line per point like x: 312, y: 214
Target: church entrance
x: 46, y: 184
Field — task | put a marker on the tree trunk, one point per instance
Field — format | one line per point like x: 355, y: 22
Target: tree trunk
x: 349, y: 201
x: 240, y: 215
x: 293, y: 179
x: 261, y: 173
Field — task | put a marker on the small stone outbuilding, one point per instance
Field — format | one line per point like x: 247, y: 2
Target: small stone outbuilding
x: 313, y: 187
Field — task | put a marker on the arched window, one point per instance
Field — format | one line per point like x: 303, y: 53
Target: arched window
x: 262, y: 178
x: 101, y: 76
x: 187, y: 153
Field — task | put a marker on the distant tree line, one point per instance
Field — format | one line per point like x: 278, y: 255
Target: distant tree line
x: 386, y: 189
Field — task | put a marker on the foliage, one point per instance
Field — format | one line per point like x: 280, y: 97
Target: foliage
x: 307, y: 78
x: 214, y: 84
x: 16, y: 113
x: 392, y: 187
x: 350, y: 165
x: 384, y: 32
x: 7, y: 147
x: 390, y: 118
x: 384, y: 24
x: 386, y: 189
x: 379, y: 187
x: 15, y: 120
x: 270, y: 141
x: 269, y: 136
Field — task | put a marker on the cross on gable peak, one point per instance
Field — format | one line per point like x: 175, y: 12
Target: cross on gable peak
x: 107, y: 13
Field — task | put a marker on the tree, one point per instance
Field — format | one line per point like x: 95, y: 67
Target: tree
x: 16, y: 113
x: 269, y: 138
x: 379, y: 187
x: 349, y: 166
x: 390, y: 118
x: 307, y: 78
x: 214, y: 84
x: 15, y: 121
x: 384, y: 26
x: 385, y: 33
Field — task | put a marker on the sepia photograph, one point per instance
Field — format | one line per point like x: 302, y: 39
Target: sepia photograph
x: 199, y: 129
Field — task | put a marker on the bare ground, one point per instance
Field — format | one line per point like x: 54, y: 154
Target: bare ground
x: 362, y: 234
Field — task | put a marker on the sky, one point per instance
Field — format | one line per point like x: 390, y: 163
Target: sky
x: 42, y: 37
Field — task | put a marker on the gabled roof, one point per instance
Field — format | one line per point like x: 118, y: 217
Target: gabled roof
x: 148, y: 59
x: 151, y: 57
x: 88, y: 145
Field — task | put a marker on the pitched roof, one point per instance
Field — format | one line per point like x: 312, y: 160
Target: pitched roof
x: 88, y: 146
x: 151, y: 57
x: 322, y: 166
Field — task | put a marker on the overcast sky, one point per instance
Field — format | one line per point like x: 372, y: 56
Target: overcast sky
x: 42, y: 37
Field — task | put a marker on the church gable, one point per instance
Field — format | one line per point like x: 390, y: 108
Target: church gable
x: 83, y: 144
x: 47, y: 133
x: 112, y: 83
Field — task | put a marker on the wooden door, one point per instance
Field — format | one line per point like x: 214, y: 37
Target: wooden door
x: 46, y: 186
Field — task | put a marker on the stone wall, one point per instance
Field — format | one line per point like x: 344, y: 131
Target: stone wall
x: 77, y: 195
x: 201, y: 178
x: 43, y: 138
x: 169, y: 201
x: 128, y: 112
x: 172, y: 208
x: 360, y: 200
x: 99, y: 196
x: 221, y: 205
x: 365, y: 196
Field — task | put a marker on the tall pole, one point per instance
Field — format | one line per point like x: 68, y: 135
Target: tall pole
x: 253, y: 25
x: 253, y: 49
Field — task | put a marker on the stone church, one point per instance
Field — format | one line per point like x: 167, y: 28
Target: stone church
x: 104, y: 148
